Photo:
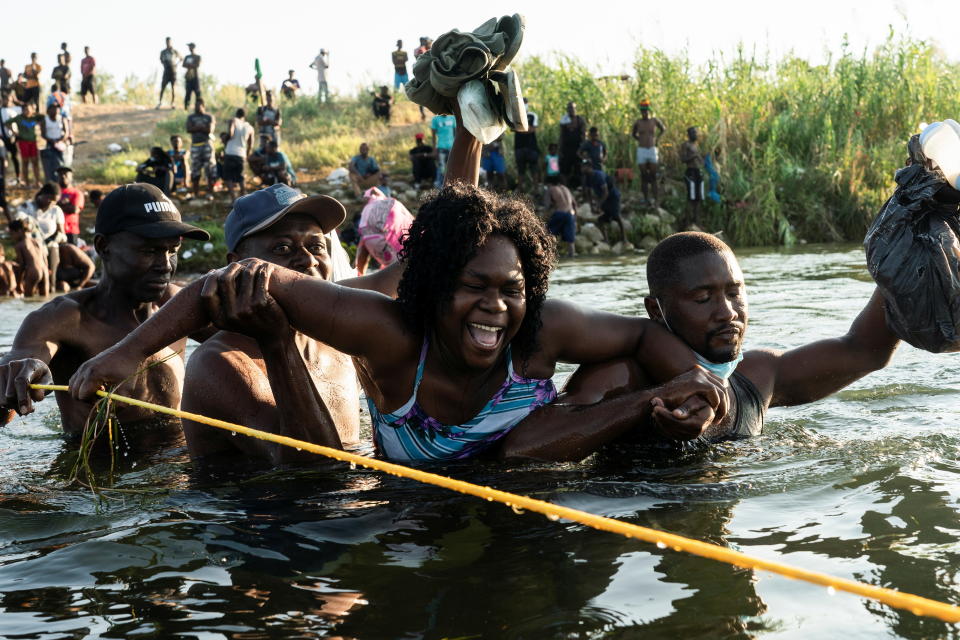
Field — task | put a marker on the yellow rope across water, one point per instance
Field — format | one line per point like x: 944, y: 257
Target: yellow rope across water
x: 915, y: 604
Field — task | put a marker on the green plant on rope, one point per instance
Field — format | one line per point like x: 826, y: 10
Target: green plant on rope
x: 102, y: 421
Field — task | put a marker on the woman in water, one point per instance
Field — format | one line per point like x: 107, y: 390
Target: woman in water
x: 464, y: 353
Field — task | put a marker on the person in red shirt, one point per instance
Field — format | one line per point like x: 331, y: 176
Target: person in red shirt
x: 71, y: 203
x: 88, y: 67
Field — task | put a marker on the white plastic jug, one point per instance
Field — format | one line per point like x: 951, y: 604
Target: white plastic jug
x: 479, y: 116
x: 940, y: 142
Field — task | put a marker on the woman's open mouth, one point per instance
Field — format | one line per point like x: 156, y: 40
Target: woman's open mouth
x: 484, y: 336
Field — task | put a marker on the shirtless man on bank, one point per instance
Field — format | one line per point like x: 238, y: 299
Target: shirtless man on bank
x: 647, y: 131
x: 138, y: 234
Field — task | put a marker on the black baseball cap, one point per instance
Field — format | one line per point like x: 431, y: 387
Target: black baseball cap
x: 143, y: 210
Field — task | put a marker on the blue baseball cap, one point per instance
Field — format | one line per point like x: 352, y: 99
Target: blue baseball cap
x: 256, y: 211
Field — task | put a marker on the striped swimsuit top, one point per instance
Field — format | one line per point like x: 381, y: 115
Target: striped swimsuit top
x: 410, y: 434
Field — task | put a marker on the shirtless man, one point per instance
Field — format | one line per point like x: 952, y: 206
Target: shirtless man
x: 647, y: 131
x: 8, y: 277
x: 31, y: 258
x: 697, y: 292
x: 75, y: 268
x: 278, y: 379
x: 138, y: 233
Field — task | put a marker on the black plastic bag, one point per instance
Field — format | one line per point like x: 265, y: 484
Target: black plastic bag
x: 913, y: 253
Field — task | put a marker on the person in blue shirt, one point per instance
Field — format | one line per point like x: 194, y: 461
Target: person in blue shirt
x: 442, y: 129
x: 364, y: 170
x: 606, y: 197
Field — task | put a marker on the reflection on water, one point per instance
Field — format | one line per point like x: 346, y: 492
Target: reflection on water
x: 862, y: 485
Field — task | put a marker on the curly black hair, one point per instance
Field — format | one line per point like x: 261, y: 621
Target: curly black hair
x: 446, y: 234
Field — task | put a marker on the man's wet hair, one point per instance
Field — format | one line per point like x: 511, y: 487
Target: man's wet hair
x: 555, y: 179
x: 19, y: 226
x: 241, y: 113
x: 445, y: 236
x: 594, y: 130
x: 664, y: 261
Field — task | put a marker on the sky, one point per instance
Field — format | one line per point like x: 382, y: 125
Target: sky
x: 126, y: 37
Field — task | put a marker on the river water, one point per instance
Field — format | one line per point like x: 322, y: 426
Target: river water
x: 863, y: 485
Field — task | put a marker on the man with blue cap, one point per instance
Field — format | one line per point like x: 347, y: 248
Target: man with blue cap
x: 138, y: 235
x: 259, y: 370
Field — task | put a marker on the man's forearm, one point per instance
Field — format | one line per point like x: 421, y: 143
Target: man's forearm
x: 303, y: 413
x: 568, y: 433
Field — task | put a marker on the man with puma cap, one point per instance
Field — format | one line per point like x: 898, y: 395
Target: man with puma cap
x: 138, y: 235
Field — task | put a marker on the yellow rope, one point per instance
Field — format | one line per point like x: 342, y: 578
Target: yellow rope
x: 915, y: 604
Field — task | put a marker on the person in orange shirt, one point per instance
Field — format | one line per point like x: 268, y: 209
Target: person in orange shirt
x: 31, y: 74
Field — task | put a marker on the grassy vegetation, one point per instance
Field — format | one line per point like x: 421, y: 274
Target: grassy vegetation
x: 804, y: 150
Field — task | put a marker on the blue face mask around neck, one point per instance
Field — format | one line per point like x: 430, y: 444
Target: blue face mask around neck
x: 720, y: 369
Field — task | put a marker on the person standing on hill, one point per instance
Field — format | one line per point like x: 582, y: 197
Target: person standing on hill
x: 594, y: 150
x: 647, y: 131
x: 61, y: 75
x: 88, y: 68
x: 321, y: 63
x: 71, y: 203
x: 200, y: 125
x: 399, y: 57
x: 290, y: 87
x: 191, y: 78
x: 67, y: 58
x: 8, y: 111
x: 269, y: 119
x: 31, y: 74
x: 180, y: 162
x: 573, y: 129
x: 5, y: 76
x: 27, y: 125
x: 239, y: 147
x: 169, y: 59
x: 691, y: 156
x: 443, y: 130
x: 382, y: 103
x: 526, y: 153
x: 425, y: 44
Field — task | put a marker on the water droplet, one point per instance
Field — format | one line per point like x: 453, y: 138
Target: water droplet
x: 489, y: 499
x: 233, y: 433
x: 661, y: 545
x: 353, y: 466
x: 299, y: 449
x: 831, y: 591
x: 517, y: 510
x: 552, y: 516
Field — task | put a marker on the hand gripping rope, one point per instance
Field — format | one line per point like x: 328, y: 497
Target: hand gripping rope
x: 915, y: 604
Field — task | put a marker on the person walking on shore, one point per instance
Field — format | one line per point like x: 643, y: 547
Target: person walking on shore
x: 647, y: 131
x: 169, y: 59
